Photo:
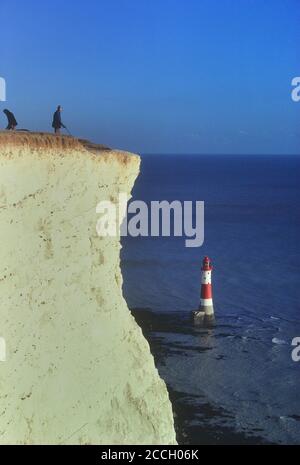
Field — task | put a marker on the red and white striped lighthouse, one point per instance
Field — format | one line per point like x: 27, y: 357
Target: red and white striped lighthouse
x: 205, y: 314
x: 206, y: 300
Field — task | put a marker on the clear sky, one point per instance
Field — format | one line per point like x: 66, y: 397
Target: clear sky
x: 156, y: 76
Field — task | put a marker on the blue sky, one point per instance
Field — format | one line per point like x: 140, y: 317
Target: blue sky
x: 159, y: 76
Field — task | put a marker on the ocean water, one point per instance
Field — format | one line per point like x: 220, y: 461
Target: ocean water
x: 236, y: 382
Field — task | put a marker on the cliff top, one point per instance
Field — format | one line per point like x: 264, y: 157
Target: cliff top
x: 46, y: 141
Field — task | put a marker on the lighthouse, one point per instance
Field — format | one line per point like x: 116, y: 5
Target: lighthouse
x: 205, y: 314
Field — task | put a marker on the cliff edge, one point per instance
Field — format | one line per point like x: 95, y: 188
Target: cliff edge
x: 78, y: 369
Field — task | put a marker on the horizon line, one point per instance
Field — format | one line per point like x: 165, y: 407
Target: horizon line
x: 223, y: 154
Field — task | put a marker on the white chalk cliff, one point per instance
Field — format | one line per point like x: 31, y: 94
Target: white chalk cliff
x: 78, y: 369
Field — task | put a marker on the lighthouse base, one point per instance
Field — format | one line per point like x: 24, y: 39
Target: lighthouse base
x: 203, y: 320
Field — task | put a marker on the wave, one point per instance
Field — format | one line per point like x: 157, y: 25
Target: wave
x: 275, y: 340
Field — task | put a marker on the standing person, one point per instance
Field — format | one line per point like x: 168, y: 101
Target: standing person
x: 57, y: 123
x: 12, y: 122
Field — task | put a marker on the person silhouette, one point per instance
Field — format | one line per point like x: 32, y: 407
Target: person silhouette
x: 12, y: 122
x: 57, y: 123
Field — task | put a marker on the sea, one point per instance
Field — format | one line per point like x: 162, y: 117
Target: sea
x: 236, y: 383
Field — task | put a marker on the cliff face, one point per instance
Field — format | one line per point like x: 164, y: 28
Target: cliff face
x: 78, y: 369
